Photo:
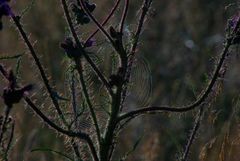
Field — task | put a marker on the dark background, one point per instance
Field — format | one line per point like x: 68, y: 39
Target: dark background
x: 179, y: 45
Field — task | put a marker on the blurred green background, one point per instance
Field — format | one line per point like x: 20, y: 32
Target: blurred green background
x: 180, y: 44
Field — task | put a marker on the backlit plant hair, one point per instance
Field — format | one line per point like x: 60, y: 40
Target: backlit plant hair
x: 92, y: 136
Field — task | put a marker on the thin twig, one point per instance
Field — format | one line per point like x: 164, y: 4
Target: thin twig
x: 122, y: 51
x: 193, y: 134
x: 83, y: 6
x: 117, y: 46
x: 104, y: 21
x: 10, y: 139
x: 73, y: 94
x: 145, y: 8
x: 124, y: 16
x: 3, y: 127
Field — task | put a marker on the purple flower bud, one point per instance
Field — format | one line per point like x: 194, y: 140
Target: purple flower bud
x: 89, y: 43
x: 234, y: 20
x: 5, y: 9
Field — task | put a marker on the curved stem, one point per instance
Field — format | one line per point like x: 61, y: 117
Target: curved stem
x: 189, y: 107
x: 69, y: 133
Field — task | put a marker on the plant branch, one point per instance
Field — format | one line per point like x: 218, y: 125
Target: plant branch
x: 75, y: 149
x: 69, y: 133
x: 118, y: 46
x: 10, y: 139
x: 105, y: 21
x: 73, y: 94
x: 193, y: 134
x: 202, y: 96
x: 145, y: 8
x: 50, y: 123
x: 190, y: 106
x: 83, y: 6
x: 124, y: 16
x: 86, y: 95
x: 3, y: 127
x: 16, y: 20
x: 89, y: 60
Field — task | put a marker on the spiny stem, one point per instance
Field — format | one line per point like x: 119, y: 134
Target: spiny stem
x: 73, y: 94
x: 69, y: 133
x: 10, y: 139
x: 193, y: 135
x: 75, y: 149
x: 86, y: 95
x: 145, y: 9
x: 6, y: 115
x: 105, y: 150
x: 122, y: 51
x: 16, y: 20
x: 50, y: 123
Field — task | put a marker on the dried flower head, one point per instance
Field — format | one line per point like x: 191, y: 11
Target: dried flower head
x: 81, y: 16
x: 12, y: 94
x: 70, y: 48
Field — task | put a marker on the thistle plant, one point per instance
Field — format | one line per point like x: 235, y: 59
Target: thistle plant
x: 93, y: 111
